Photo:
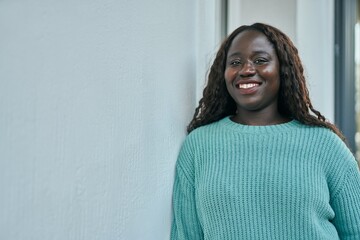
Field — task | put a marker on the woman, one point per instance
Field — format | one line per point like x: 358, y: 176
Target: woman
x: 259, y: 161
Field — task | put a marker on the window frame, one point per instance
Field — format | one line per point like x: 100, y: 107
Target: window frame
x: 345, y: 19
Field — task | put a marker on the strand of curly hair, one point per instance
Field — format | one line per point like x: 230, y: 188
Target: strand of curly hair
x: 293, y: 99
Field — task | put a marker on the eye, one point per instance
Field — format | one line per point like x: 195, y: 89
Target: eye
x: 235, y: 62
x: 260, y: 61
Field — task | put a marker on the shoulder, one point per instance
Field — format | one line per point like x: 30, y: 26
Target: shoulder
x: 200, y: 136
x: 204, y: 131
x: 190, y: 148
x: 323, y: 145
x: 338, y: 157
x: 323, y: 137
x: 329, y: 143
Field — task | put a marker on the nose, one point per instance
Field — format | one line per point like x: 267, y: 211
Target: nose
x: 247, y: 69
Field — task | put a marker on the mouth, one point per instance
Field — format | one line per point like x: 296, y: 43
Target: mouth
x: 247, y: 85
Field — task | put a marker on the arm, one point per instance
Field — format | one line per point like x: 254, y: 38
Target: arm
x: 186, y: 225
x: 346, y: 205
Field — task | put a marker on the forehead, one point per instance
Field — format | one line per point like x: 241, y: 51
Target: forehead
x: 251, y: 41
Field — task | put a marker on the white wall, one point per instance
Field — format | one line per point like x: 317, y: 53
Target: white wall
x: 94, y: 99
x: 278, y: 13
x: 310, y: 25
x: 208, y: 39
x: 315, y: 41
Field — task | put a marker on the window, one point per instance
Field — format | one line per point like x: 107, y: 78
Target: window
x: 347, y: 89
x: 357, y: 80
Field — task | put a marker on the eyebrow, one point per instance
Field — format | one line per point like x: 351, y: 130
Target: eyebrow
x: 255, y: 52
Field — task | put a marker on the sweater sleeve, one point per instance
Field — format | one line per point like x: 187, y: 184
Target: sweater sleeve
x: 346, y: 205
x: 186, y: 225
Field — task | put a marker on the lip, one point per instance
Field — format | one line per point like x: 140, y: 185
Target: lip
x: 249, y: 90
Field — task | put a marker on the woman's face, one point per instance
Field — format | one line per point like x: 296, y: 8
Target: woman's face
x: 252, y: 72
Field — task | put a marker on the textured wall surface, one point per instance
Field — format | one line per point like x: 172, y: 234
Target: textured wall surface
x: 94, y: 99
x: 279, y: 13
x: 315, y: 41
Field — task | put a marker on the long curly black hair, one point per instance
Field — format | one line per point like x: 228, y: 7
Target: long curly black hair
x: 294, y: 101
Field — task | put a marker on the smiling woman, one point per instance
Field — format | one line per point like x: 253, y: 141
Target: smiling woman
x: 252, y: 79
x: 259, y: 161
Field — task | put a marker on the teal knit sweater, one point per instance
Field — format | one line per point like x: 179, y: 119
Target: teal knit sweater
x: 287, y: 181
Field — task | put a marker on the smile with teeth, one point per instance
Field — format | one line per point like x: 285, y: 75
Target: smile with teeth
x: 247, y: 85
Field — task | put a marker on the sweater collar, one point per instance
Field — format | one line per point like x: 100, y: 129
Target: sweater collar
x: 282, y: 127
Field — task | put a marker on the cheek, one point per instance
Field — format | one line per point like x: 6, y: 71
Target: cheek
x: 229, y: 74
x: 270, y: 70
x: 271, y: 74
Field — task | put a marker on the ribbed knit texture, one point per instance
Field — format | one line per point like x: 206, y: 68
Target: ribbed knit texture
x: 287, y: 181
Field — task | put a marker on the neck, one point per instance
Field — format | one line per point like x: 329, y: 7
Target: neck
x: 259, y: 118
